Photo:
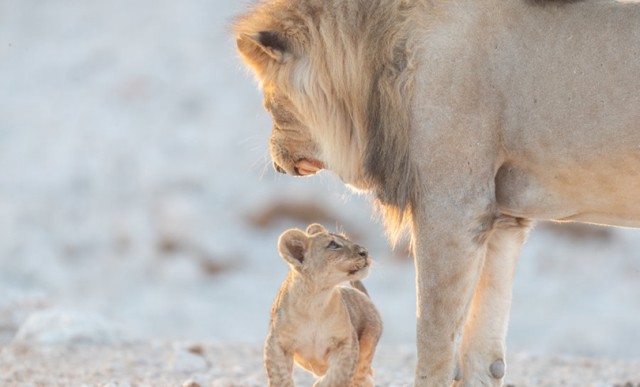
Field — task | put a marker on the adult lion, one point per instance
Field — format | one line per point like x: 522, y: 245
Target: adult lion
x: 466, y: 119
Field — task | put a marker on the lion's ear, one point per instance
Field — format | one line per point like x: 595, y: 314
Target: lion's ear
x: 264, y: 47
x: 292, y: 246
x: 315, y: 228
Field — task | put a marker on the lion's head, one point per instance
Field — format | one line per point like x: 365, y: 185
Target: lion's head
x: 337, y: 80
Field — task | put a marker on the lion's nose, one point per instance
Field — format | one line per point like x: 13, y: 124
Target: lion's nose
x: 278, y: 168
x: 363, y: 252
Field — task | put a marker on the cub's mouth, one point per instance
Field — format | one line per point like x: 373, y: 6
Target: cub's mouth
x: 358, y: 268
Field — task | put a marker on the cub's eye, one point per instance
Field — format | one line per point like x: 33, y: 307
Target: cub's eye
x: 333, y: 246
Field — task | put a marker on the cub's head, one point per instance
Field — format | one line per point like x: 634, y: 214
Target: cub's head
x: 323, y: 257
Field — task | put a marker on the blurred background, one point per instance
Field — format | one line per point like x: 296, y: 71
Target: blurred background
x: 137, y: 195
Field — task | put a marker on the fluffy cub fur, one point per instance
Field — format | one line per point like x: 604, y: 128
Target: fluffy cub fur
x: 327, y: 329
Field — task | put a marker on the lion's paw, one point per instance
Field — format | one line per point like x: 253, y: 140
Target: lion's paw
x: 489, y: 376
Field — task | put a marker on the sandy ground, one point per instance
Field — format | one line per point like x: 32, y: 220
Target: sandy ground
x: 226, y: 365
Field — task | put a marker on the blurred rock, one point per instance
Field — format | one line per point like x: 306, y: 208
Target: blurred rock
x: 304, y: 213
x: 183, y: 360
x: 196, y: 349
x: 191, y: 383
x: 15, y: 309
x: 116, y: 384
x: 180, y: 234
x: 53, y: 326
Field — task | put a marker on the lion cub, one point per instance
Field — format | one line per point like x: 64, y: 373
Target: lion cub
x: 327, y: 329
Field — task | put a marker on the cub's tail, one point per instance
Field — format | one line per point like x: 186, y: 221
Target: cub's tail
x: 360, y: 286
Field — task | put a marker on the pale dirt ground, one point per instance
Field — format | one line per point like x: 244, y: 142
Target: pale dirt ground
x: 240, y: 365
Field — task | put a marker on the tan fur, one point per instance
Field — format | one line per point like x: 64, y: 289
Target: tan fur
x: 465, y: 119
x: 327, y: 329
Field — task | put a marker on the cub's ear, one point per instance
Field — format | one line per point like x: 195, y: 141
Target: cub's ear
x: 315, y: 228
x: 263, y: 47
x: 292, y: 246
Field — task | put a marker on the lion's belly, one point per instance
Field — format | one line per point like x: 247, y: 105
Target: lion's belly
x: 571, y: 114
x: 593, y: 196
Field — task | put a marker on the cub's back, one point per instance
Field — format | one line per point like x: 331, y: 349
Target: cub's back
x: 362, y: 312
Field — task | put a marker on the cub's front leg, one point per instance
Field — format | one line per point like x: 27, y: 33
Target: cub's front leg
x: 342, y: 363
x: 278, y: 363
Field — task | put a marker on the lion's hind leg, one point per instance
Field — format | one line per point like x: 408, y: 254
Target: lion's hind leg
x: 483, y: 344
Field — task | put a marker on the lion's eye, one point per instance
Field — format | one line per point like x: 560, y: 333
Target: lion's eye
x: 333, y: 246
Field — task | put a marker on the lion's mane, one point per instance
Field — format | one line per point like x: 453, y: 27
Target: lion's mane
x: 351, y: 79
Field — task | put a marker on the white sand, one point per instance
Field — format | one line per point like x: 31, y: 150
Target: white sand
x: 225, y: 365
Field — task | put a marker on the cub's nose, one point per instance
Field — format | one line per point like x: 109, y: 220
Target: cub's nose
x: 363, y: 252
x: 278, y: 168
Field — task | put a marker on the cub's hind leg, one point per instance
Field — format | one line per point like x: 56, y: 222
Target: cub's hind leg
x: 483, y: 344
x: 367, y: 346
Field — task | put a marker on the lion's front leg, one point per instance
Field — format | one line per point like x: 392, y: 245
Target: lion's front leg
x: 450, y: 243
x: 483, y: 345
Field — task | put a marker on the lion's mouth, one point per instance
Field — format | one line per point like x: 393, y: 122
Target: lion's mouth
x: 308, y: 167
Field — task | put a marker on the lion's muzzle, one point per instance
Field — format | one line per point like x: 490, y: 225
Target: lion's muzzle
x: 302, y: 167
x: 307, y: 167
x: 278, y: 168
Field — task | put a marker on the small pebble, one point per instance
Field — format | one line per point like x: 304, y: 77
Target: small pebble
x: 190, y: 383
x: 184, y: 361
